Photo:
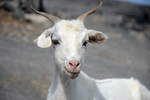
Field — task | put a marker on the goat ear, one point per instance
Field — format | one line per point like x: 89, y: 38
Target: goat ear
x: 44, y: 40
x: 96, y: 36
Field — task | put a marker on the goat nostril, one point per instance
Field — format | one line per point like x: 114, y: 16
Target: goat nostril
x: 70, y: 64
x: 74, y: 63
x: 78, y: 64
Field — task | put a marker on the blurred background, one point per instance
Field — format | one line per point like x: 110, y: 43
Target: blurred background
x: 25, y: 70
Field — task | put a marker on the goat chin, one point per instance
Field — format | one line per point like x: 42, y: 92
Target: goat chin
x: 71, y: 74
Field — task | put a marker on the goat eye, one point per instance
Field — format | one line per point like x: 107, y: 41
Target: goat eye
x: 85, y: 43
x: 55, y: 42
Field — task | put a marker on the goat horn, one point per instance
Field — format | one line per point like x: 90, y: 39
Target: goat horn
x: 51, y: 18
x: 83, y: 16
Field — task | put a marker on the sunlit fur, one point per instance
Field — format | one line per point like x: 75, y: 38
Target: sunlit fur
x: 64, y: 86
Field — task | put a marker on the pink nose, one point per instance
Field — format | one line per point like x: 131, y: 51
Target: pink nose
x: 74, y: 63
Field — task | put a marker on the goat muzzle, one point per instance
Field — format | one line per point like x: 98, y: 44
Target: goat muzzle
x: 72, y: 73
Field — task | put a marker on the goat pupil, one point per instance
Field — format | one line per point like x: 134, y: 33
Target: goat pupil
x: 85, y: 43
x: 55, y: 42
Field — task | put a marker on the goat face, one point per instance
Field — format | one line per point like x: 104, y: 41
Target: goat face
x: 69, y: 39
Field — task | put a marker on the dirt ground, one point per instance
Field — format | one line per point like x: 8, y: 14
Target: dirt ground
x: 25, y: 70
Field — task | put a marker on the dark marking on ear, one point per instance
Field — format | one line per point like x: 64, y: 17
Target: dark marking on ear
x: 96, y: 38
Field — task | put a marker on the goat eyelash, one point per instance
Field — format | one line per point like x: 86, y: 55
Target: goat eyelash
x: 55, y: 42
x: 85, y: 43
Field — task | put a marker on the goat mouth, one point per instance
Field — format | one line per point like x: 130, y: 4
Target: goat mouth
x: 72, y: 74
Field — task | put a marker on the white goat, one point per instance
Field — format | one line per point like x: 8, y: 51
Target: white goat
x: 69, y: 39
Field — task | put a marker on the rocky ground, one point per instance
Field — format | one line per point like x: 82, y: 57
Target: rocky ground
x: 25, y: 70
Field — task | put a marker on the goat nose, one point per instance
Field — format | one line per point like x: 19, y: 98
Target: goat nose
x: 74, y: 63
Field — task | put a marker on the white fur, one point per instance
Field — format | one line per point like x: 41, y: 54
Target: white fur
x: 44, y: 40
x: 71, y: 35
x: 86, y: 88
